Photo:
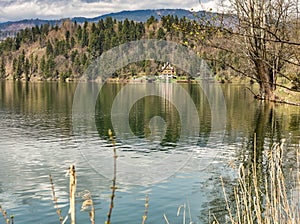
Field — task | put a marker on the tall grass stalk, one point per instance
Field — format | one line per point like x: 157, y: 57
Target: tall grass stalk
x: 88, y: 203
x: 58, y: 211
x: 184, y: 212
x: 146, y: 210
x: 268, y: 200
x: 5, y: 216
x: 72, y: 193
x: 113, y: 188
x: 166, y: 219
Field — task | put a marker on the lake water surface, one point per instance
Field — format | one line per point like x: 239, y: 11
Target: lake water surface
x: 38, y: 138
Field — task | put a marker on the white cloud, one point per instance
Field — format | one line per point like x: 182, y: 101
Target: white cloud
x: 56, y: 9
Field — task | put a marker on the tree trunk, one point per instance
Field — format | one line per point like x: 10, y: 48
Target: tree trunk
x: 266, y: 82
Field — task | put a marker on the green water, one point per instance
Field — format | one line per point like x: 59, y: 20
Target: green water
x: 38, y: 138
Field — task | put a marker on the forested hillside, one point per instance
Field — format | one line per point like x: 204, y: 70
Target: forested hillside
x: 60, y: 52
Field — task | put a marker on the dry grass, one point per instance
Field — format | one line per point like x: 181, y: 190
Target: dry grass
x: 146, y: 210
x: 113, y: 188
x: 72, y: 196
x: 256, y: 200
x: 72, y: 188
x: 8, y: 220
x: 58, y: 211
x: 265, y: 201
x: 88, y: 203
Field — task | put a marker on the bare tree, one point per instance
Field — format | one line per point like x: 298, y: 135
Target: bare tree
x: 262, y: 35
x: 266, y: 26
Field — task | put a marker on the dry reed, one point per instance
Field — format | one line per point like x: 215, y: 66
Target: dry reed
x: 166, y: 219
x: 5, y: 216
x: 88, y: 203
x: 268, y: 200
x: 72, y: 193
x: 72, y: 189
x: 146, y: 210
x: 55, y: 200
x: 113, y: 188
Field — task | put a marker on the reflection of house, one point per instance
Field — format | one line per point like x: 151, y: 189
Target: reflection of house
x: 167, y: 71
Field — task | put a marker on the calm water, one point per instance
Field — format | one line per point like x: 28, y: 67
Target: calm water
x: 38, y: 138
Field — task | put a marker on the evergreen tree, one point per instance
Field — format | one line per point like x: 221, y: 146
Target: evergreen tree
x: 160, y: 33
x: 72, y: 42
x: 125, y: 31
x: 43, y: 65
x: 150, y: 21
x: 26, y: 69
x: 101, y: 25
x: 49, y: 49
x: 79, y: 34
x: 67, y: 35
x: 85, y: 38
x: 50, y: 67
x: 2, y: 69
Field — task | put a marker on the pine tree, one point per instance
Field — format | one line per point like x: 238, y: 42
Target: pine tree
x: 2, y: 69
x: 85, y: 38
x: 49, y: 49
x: 72, y: 42
x: 67, y: 35
x: 43, y: 65
x: 160, y: 33
x: 125, y: 31
x: 79, y: 34
x: 50, y: 67
x: 26, y: 69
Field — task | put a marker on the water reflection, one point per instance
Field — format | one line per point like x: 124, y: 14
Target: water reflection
x: 149, y: 107
x: 37, y: 139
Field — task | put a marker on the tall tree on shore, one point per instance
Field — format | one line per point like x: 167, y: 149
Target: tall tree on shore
x: 2, y: 68
x: 260, y: 39
x: 266, y: 28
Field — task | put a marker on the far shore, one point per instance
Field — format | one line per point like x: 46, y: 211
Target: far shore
x: 286, y: 94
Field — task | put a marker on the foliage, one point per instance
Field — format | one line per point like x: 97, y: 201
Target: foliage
x: 257, y: 39
x: 65, y: 51
x: 271, y: 199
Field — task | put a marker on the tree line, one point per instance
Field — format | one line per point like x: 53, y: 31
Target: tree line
x: 66, y: 51
x: 257, y: 39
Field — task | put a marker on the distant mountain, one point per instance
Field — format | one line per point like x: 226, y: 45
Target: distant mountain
x: 136, y: 15
x: 141, y: 15
x: 22, y: 24
x: 10, y: 28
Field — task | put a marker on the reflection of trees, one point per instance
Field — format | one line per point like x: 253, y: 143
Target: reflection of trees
x: 246, y: 117
x: 268, y: 128
x: 266, y: 125
x: 40, y: 102
x: 148, y: 107
x: 270, y: 122
x: 203, y: 107
x: 140, y: 114
x: 103, y: 108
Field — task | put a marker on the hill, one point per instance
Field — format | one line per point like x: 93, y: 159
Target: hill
x: 141, y: 15
x: 11, y: 27
x: 58, y: 52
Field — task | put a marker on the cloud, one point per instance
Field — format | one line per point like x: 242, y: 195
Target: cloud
x: 56, y: 9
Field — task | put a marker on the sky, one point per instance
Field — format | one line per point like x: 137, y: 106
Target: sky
x: 12, y: 10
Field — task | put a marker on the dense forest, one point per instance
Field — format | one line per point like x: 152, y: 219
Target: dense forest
x: 60, y: 52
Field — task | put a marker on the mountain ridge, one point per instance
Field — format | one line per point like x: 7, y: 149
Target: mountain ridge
x: 136, y: 15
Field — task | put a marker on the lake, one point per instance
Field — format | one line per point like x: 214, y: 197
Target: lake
x: 159, y: 154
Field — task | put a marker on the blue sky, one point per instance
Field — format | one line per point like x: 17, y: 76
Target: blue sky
x: 11, y: 10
